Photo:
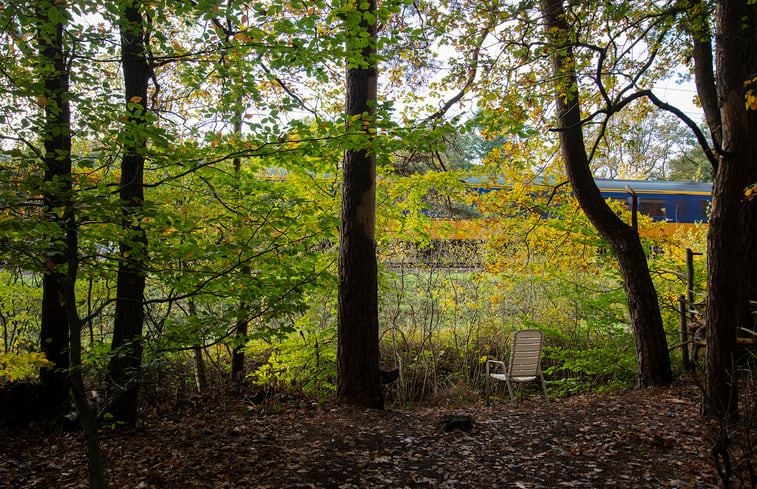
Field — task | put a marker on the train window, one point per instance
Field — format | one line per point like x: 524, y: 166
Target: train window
x: 677, y: 210
x: 704, y: 210
x: 653, y: 207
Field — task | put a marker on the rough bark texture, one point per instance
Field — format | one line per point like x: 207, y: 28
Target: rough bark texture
x: 731, y: 246
x: 56, y: 134
x: 704, y: 74
x: 653, y: 362
x: 358, y: 376
x: 60, y: 320
x: 124, y: 367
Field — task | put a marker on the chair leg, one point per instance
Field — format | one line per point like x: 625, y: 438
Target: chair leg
x: 510, y: 389
x: 544, y: 387
x: 486, y: 384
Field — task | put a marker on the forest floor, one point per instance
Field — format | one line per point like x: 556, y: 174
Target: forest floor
x: 224, y: 439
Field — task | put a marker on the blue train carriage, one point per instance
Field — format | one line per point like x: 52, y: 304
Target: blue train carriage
x: 674, y: 205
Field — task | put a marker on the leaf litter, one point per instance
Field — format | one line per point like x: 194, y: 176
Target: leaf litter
x: 650, y: 438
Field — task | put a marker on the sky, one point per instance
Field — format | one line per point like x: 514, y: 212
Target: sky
x: 682, y: 96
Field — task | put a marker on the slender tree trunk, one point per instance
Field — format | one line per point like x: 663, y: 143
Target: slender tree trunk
x: 241, y: 326
x: 56, y: 135
x: 59, y: 317
x: 358, y: 355
x: 704, y: 74
x: 87, y: 414
x: 237, y: 356
x: 125, y: 365
x: 201, y: 379
x: 732, y: 234
x: 653, y: 361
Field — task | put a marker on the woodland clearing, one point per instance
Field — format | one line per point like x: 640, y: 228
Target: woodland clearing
x: 230, y: 438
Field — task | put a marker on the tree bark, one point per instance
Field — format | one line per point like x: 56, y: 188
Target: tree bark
x: 60, y: 321
x: 704, y: 74
x: 358, y: 355
x: 87, y: 414
x: 201, y: 380
x: 240, y: 329
x: 125, y: 365
x: 731, y: 235
x: 241, y: 325
x: 653, y: 361
x: 56, y: 135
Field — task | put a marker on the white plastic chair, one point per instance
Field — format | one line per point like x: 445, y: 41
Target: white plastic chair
x: 524, y: 365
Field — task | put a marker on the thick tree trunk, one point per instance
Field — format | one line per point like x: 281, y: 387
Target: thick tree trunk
x: 653, y: 361
x: 731, y: 236
x: 53, y: 337
x: 60, y: 320
x: 124, y: 368
x: 56, y: 135
x: 358, y: 355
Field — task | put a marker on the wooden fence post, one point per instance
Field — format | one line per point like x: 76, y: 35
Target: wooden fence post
x: 683, y: 322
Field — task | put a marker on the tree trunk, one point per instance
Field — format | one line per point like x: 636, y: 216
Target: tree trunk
x: 653, y: 361
x: 56, y: 135
x: 201, y: 379
x: 87, y: 414
x: 237, y: 356
x: 704, y: 74
x: 59, y: 318
x: 731, y: 236
x: 124, y: 367
x: 358, y: 355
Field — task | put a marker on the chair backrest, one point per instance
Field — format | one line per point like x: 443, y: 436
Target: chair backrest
x: 525, y: 356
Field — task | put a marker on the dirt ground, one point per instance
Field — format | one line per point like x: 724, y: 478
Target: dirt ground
x: 224, y: 439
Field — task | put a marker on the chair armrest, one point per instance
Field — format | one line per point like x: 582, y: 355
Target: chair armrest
x: 494, y: 362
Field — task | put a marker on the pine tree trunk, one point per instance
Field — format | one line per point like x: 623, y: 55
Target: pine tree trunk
x: 125, y: 365
x: 653, y: 361
x: 358, y: 355
x: 732, y: 250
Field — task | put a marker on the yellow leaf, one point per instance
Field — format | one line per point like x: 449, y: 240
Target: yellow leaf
x: 135, y: 99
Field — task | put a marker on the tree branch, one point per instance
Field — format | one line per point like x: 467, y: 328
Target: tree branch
x: 471, y: 77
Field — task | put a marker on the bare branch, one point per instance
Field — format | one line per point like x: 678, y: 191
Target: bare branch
x: 473, y: 72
